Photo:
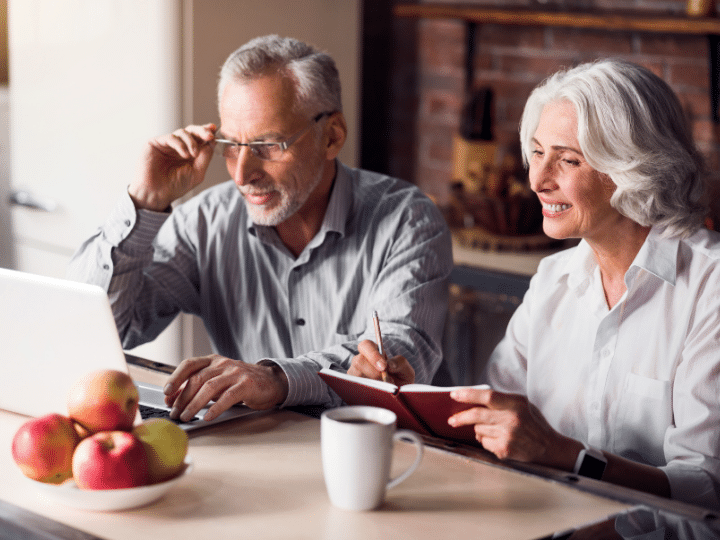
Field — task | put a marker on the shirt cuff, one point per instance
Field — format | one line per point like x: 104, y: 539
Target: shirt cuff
x: 136, y: 229
x: 305, y: 387
x: 692, y: 485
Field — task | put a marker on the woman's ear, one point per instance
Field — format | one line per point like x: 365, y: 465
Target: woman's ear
x: 335, y: 135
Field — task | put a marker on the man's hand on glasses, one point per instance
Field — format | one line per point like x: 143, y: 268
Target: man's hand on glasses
x: 172, y: 165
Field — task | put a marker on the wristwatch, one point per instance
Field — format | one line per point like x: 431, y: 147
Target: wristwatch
x: 590, y: 463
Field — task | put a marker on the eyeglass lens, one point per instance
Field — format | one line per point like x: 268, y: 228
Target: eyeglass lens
x: 269, y: 151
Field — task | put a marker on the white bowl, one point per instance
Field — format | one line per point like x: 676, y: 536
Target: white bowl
x: 69, y: 494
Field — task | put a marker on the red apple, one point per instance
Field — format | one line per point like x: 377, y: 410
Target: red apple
x: 105, y: 400
x: 110, y: 460
x: 43, y: 448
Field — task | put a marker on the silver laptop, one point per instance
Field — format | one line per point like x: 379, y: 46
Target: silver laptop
x: 52, y: 332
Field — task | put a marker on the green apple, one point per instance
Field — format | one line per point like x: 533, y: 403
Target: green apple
x: 166, y: 446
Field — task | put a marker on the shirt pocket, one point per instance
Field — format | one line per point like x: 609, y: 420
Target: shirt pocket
x: 645, y: 412
x: 350, y: 326
x: 347, y: 335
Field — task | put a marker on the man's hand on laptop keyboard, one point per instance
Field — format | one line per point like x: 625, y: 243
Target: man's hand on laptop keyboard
x: 147, y: 412
x: 198, y: 381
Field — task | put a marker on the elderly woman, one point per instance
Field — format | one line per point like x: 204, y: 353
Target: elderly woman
x: 611, y: 365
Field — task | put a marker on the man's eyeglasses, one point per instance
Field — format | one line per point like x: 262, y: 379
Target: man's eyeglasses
x: 269, y: 151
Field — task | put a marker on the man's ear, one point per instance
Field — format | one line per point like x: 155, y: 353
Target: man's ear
x: 335, y: 135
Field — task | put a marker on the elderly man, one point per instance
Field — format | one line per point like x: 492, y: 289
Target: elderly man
x: 285, y: 263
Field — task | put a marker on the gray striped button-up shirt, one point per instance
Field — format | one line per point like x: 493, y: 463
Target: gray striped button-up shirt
x: 382, y: 246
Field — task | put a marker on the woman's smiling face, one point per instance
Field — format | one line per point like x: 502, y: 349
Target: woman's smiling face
x: 575, y: 197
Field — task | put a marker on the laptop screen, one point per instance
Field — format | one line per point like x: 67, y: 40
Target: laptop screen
x: 52, y: 331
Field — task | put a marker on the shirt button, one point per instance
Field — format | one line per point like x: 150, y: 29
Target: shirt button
x: 106, y: 267
x: 300, y: 322
x: 127, y: 222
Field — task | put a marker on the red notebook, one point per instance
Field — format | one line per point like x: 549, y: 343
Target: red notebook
x: 421, y: 407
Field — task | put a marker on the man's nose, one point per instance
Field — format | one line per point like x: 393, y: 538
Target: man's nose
x: 246, y: 167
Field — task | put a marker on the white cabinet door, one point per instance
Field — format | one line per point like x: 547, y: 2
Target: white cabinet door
x: 90, y: 82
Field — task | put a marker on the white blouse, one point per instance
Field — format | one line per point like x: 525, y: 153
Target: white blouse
x: 640, y: 380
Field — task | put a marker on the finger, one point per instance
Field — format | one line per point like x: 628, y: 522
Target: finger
x: 234, y: 395
x: 258, y: 387
x: 191, y: 402
x: 401, y: 370
x: 505, y: 443
x: 489, y: 432
x: 370, y: 351
x: 202, y: 161
x: 223, y: 380
x: 362, y: 367
x: 171, y: 146
x: 184, y: 142
x: 493, y: 443
x: 182, y: 373
x: 488, y: 400
x: 170, y: 398
x: 222, y: 404
x: 204, y: 133
x: 487, y: 397
x: 201, y: 388
x: 474, y: 395
x: 473, y: 415
x: 205, y: 139
x: 189, y: 141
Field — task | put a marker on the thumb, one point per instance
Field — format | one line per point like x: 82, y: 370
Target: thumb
x: 202, y: 162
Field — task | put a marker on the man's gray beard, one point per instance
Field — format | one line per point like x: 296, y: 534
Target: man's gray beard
x: 289, y: 204
x: 277, y: 216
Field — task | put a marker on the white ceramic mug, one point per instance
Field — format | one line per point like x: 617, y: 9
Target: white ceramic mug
x: 357, y: 447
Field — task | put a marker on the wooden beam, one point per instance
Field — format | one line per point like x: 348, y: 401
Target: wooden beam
x: 600, y: 20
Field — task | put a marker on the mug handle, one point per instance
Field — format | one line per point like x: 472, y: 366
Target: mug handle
x: 417, y: 441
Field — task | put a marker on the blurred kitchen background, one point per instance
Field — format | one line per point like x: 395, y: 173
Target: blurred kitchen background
x: 433, y: 93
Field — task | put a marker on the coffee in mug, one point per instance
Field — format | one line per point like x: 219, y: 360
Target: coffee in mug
x: 357, y: 447
x: 356, y: 421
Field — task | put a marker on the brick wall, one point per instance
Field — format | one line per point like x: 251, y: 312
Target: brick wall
x: 428, y: 79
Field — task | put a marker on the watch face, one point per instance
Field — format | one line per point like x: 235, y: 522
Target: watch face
x: 592, y: 467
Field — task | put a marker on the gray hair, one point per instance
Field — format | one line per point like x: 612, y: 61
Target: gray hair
x: 316, y: 78
x: 632, y: 128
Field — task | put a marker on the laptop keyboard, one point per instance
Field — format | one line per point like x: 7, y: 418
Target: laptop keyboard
x: 146, y: 412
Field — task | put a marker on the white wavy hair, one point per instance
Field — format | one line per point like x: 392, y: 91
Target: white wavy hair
x: 631, y: 127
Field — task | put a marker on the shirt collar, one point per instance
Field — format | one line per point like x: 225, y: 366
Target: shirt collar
x: 341, y: 199
x: 580, y: 265
x: 657, y: 256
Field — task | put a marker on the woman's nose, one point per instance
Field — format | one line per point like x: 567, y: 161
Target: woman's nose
x: 540, y: 174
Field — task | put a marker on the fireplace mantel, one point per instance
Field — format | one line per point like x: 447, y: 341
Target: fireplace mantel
x: 637, y: 21
x: 634, y: 21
